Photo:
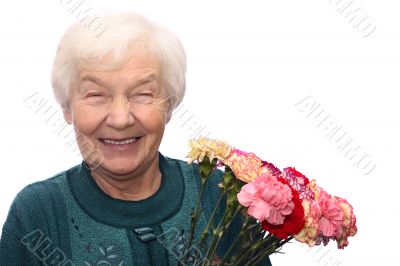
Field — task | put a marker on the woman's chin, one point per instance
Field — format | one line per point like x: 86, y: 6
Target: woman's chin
x: 123, y: 166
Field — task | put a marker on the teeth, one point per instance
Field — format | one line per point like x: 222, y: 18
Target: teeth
x: 128, y: 141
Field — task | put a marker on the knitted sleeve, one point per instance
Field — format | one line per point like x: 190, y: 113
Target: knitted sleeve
x: 12, y: 251
x: 31, y: 235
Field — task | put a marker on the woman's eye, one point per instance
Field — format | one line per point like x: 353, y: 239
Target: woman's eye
x: 96, y: 97
x: 146, y: 94
x: 142, y: 97
x: 94, y: 94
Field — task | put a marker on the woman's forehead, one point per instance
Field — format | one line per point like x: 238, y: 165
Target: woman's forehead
x: 125, y: 79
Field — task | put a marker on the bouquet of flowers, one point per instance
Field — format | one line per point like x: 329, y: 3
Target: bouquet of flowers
x: 276, y: 206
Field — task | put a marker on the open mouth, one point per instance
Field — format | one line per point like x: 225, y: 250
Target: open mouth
x: 120, y: 141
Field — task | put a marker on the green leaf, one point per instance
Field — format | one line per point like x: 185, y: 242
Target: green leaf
x: 206, y: 168
x: 229, y: 178
x: 237, y: 185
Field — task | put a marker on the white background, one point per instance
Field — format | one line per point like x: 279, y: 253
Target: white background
x: 249, y: 63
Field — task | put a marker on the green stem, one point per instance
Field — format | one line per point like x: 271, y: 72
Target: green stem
x: 195, y: 215
x: 259, y: 257
x: 217, y: 234
x: 262, y: 255
x: 222, y: 227
x: 210, y: 220
x: 243, y: 230
x: 243, y: 249
x: 253, y: 249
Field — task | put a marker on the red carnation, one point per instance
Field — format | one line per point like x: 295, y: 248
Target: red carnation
x: 293, y: 223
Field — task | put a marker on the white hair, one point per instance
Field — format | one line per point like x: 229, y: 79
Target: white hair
x: 80, y: 49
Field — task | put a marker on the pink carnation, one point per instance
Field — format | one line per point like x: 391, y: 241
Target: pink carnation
x: 330, y: 223
x: 267, y: 199
x: 327, y: 218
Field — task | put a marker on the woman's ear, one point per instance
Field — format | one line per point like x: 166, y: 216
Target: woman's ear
x: 67, y: 116
x: 167, y: 116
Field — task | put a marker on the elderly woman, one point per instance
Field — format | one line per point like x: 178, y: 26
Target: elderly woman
x: 126, y: 202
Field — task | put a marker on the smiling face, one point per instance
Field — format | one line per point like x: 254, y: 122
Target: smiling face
x: 121, y: 115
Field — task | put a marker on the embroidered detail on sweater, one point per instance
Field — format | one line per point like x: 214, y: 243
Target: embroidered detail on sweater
x: 105, y: 255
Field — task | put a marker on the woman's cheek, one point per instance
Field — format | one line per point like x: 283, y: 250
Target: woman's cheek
x: 88, y: 118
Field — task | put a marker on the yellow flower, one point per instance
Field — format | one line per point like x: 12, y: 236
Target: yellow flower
x: 246, y: 166
x: 309, y: 232
x: 199, y: 148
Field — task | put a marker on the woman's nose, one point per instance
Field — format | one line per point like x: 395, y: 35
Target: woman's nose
x: 120, y: 115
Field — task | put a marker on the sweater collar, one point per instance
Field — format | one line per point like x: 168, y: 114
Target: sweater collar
x: 121, y: 213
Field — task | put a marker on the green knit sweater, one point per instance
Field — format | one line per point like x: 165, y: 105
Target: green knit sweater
x: 68, y: 220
